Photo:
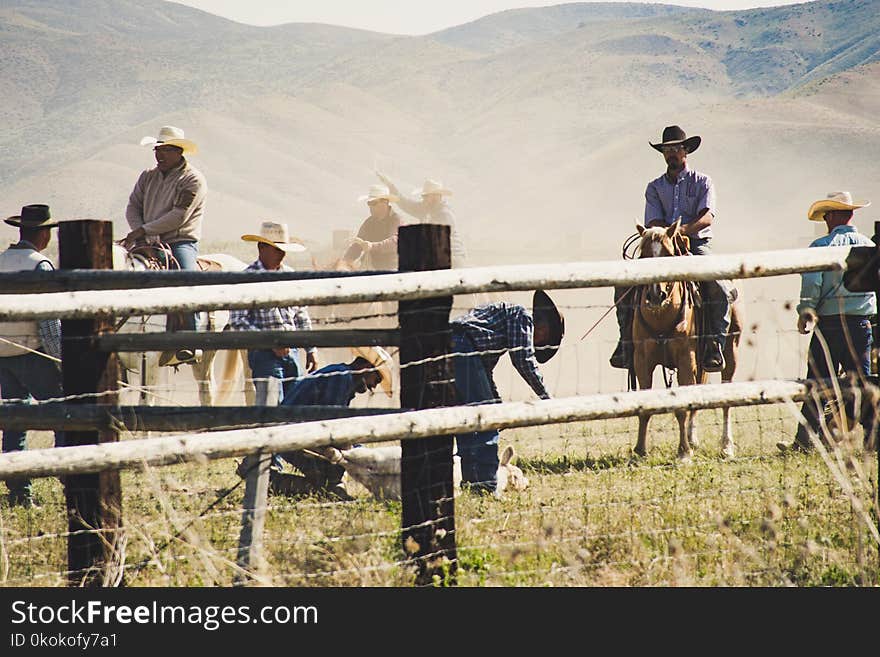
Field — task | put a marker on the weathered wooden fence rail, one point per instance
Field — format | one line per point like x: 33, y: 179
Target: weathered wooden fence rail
x: 246, y: 339
x: 86, y: 417
x: 418, y: 285
x: 405, y: 426
x: 107, y: 279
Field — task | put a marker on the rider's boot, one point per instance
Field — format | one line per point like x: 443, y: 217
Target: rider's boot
x: 713, y: 358
x: 622, y: 356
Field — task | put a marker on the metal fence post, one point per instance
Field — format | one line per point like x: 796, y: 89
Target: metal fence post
x: 94, y: 501
x: 427, y: 494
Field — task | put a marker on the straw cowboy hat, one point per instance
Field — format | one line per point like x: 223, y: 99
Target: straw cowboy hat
x: 276, y: 235
x: 381, y: 360
x: 834, y: 201
x: 378, y: 192
x: 32, y: 216
x: 674, y: 136
x: 544, y: 310
x: 433, y: 187
x: 171, y: 136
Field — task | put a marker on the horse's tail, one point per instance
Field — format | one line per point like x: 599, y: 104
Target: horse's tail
x: 230, y: 374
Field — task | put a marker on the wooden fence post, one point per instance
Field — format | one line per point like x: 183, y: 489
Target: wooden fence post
x: 94, y: 501
x: 876, y: 437
x: 255, y: 468
x: 427, y: 494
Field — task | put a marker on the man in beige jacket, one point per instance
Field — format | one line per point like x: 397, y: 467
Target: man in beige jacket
x: 167, y: 205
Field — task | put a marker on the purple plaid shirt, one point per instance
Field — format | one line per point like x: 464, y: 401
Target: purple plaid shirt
x: 287, y: 318
x: 691, y: 193
x: 504, y: 327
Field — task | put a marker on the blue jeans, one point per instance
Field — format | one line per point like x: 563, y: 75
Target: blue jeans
x: 839, y: 331
x: 22, y: 378
x: 478, y: 450
x: 717, y: 296
x: 266, y: 365
x: 186, y: 254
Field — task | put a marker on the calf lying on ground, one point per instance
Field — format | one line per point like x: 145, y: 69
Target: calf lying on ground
x: 378, y: 469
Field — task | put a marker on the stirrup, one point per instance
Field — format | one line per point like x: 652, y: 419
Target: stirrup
x: 180, y: 357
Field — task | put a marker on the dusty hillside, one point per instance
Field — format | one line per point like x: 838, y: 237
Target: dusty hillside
x: 537, y: 118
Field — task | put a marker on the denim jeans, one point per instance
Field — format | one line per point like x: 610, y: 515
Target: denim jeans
x: 22, y: 378
x: 266, y: 365
x: 478, y: 450
x: 839, y: 331
x: 318, y: 472
x: 186, y: 254
x: 716, y: 295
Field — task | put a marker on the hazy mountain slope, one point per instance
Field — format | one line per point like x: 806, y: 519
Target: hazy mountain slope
x: 517, y: 27
x: 541, y: 131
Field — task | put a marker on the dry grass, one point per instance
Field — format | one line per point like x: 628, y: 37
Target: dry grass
x: 592, y: 517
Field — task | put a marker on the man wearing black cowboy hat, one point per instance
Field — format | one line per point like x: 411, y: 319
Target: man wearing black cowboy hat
x: 485, y: 333
x: 29, y: 350
x: 682, y: 193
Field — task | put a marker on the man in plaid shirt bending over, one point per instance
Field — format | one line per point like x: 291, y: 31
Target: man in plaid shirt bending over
x: 273, y: 244
x: 479, y: 339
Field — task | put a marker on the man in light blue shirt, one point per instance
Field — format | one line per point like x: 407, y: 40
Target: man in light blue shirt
x: 689, y: 195
x: 841, y: 317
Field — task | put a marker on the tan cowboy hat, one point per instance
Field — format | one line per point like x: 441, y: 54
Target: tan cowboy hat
x: 433, y: 187
x: 32, y: 216
x: 276, y: 235
x: 381, y: 360
x: 378, y: 192
x: 675, y: 136
x: 544, y: 310
x: 171, y: 136
x: 834, y: 201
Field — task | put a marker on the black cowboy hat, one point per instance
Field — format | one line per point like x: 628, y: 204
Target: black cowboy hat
x: 674, y: 136
x: 544, y: 310
x: 32, y: 216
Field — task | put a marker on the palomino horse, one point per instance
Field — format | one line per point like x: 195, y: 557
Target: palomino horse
x: 146, y: 364
x: 665, y: 332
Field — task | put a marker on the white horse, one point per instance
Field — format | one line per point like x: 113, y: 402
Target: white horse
x: 146, y: 364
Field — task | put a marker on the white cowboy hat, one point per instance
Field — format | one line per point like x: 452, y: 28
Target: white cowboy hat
x: 381, y: 360
x: 171, y: 136
x: 377, y: 192
x: 276, y: 235
x: 834, y: 201
x: 433, y: 187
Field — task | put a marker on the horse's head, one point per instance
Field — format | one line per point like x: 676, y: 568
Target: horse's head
x: 657, y: 242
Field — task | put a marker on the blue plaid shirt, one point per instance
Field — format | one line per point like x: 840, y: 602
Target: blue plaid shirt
x: 280, y: 318
x: 824, y: 292
x: 503, y: 327
x: 332, y: 385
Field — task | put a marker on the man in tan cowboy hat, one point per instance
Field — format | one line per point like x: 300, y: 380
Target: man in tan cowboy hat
x: 273, y: 243
x: 332, y: 385
x: 431, y: 207
x: 29, y: 350
x: 376, y: 239
x: 842, y: 318
x: 479, y: 338
x: 682, y: 193
x: 167, y: 205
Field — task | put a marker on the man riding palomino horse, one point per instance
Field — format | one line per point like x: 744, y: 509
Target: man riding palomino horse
x: 689, y: 196
x: 167, y: 206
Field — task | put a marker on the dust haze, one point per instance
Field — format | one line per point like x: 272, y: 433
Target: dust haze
x: 539, y: 123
